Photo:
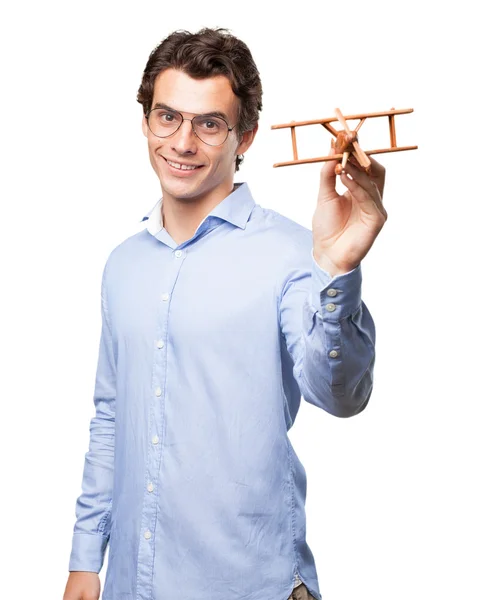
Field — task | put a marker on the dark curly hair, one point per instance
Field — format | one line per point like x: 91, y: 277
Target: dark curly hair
x: 207, y: 53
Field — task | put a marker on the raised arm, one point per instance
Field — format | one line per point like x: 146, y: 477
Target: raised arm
x: 330, y: 336
x: 328, y: 330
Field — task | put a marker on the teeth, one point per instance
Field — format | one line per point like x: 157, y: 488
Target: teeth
x: 183, y: 167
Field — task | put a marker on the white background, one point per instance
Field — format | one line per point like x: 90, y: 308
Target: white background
x: 392, y: 502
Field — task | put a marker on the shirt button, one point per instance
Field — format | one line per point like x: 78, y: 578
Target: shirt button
x: 158, y: 391
x: 330, y: 307
x: 147, y: 534
x: 165, y: 297
x: 150, y: 487
x: 331, y: 292
x: 334, y: 354
x: 160, y: 343
x: 178, y: 253
x: 155, y: 439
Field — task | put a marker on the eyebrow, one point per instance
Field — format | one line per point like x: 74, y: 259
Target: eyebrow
x: 213, y: 113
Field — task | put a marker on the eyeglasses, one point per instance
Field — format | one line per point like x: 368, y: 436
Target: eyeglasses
x: 163, y: 123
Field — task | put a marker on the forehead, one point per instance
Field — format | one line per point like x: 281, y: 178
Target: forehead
x: 186, y: 94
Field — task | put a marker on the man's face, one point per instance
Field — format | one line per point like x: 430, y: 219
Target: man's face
x: 215, y: 165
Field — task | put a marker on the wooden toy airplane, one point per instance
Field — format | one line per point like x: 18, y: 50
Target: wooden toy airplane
x: 346, y: 140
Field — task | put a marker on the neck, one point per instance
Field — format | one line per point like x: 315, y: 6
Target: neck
x: 182, y: 216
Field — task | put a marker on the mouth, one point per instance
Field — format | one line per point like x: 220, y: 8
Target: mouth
x: 181, y: 168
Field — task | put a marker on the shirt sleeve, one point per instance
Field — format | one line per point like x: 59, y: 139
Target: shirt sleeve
x: 330, y: 335
x: 93, y: 507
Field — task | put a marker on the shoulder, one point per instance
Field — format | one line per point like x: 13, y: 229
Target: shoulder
x: 126, y: 252
x: 295, y: 239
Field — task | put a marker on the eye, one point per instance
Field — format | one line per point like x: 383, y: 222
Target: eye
x: 166, y: 117
x: 209, y: 124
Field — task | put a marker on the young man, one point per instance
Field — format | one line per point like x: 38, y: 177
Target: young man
x: 216, y: 319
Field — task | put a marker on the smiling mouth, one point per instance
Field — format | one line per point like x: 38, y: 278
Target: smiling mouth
x: 182, y: 167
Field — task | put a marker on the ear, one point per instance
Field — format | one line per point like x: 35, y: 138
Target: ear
x: 247, y: 140
x: 144, y: 126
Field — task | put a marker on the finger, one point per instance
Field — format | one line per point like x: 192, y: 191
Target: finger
x: 328, y: 176
x: 357, y: 173
x: 353, y: 160
x: 378, y: 174
x: 365, y: 193
x: 366, y: 182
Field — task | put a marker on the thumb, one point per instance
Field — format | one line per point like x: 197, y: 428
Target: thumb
x: 328, y: 176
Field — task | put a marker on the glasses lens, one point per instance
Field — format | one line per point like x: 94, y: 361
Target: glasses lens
x: 163, y: 122
x: 210, y: 130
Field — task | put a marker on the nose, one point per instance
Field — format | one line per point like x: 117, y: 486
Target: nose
x: 184, y: 141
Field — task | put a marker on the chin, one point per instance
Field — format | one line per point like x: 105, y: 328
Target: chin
x: 178, y: 187
x: 181, y: 191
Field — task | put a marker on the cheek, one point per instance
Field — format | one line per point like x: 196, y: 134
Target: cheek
x: 154, y: 142
x: 226, y: 157
x: 153, y: 145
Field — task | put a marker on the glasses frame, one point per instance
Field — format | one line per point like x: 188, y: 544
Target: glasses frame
x: 147, y: 116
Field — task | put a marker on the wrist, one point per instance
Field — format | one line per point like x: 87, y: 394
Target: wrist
x: 327, y: 265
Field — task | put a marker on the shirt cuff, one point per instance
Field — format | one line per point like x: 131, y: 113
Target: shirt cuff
x: 335, y: 297
x: 88, y: 552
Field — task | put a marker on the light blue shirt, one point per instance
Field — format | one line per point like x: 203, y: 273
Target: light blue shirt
x: 206, y: 349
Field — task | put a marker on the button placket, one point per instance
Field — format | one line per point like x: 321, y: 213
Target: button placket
x: 156, y: 420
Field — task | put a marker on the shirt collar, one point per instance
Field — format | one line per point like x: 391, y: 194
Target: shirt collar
x: 236, y: 208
